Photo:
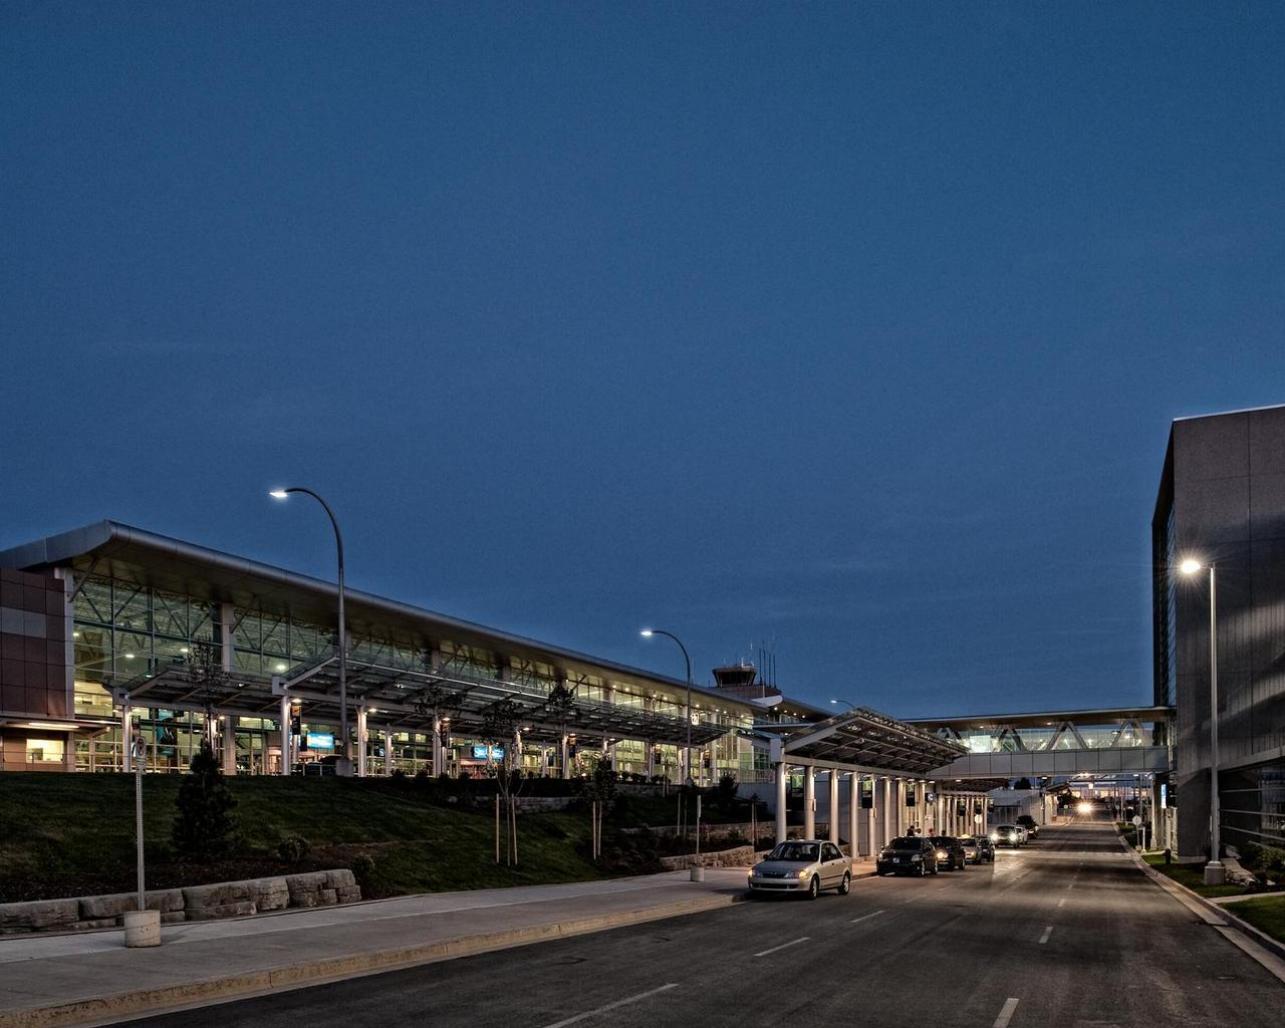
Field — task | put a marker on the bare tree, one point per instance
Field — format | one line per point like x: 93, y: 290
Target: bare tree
x: 559, y: 708
x: 500, y: 723
x: 439, y: 701
x: 205, y: 664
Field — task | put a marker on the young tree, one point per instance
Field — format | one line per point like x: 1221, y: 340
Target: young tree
x: 559, y: 708
x: 205, y: 826
x: 205, y: 668
x: 499, y: 728
x: 599, y: 789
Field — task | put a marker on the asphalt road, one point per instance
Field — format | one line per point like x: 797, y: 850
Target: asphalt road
x: 1064, y: 932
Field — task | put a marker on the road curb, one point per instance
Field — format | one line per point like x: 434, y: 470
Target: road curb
x: 1220, y: 914
x: 134, y: 1002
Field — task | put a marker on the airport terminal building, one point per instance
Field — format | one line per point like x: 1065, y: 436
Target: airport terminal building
x: 110, y: 625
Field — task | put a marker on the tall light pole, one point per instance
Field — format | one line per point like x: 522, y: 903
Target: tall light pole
x: 647, y: 633
x: 343, y: 766
x: 850, y: 704
x: 1215, y: 873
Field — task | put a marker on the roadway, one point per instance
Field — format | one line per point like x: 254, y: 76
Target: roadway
x: 1064, y: 932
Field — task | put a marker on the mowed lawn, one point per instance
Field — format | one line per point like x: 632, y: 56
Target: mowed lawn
x: 73, y: 834
x: 1266, y: 914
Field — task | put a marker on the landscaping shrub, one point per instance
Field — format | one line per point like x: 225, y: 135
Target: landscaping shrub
x: 293, y: 849
x: 205, y: 827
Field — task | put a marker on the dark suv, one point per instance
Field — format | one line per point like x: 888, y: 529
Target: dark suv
x: 950, y: 852
x: 908, y: 855
x: 1029, y: 823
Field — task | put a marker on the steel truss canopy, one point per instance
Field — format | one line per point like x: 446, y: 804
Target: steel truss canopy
x: 400, y: 700
x: 865, y: 740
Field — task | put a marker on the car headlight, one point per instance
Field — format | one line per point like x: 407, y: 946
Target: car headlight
x: 994, y: 836
x: 804, y: 873
x: 941, y: 854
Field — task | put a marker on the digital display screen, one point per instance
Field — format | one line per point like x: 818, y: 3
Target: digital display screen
x: 321, y: 741
x: 480, y: 752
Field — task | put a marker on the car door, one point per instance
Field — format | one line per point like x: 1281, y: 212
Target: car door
x: 834, y: 863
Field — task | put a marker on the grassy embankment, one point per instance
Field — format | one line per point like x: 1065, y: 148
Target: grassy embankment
x: 1193, y: 877
x: 67, y: 835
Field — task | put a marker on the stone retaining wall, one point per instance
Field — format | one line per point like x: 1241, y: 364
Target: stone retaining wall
x: 194, y: 903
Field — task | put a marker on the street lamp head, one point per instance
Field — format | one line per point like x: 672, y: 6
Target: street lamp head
x: 647, y: 633
x: 834, y: 702
x: 279, y: 494
x: 1190, y: 566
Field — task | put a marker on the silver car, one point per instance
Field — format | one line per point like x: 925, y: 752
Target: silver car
x: 802, y: 865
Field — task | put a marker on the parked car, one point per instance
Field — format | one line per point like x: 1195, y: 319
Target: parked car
x: 978, y: 849
x: 802, y: 866
x: 907, y: 855
x: 1007, y: 835
x: 950, y: 852
x: 1028, y: 822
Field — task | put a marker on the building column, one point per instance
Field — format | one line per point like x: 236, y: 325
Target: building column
x: 834, y: 806
x: 361, y: 742
x: 781, y: 780
x: 126, y: 737
x: 886, y: 810
x: 872, y: 846
x: 809, y: 802
x: 1156, y: 842
x: 854, y: 803
x: 563, y: 761
x: 651, y: 758
x: 388, y: 752
x: 436, y: 744
x: 228, y: 723
x: 285, y: 715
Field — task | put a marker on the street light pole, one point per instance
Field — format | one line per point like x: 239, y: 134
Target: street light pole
x: 344, y: 765
x: 851, y: 705
x: 1215, y: 872
x: 647, y: 633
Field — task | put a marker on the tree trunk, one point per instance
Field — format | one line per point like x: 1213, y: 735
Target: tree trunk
x: 497, y: 827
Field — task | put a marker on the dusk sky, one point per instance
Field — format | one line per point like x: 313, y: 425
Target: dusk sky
x: 855, y: 328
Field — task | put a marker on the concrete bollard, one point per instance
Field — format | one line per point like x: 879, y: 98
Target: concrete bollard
x: 698, y: 873
x: 142, y: 928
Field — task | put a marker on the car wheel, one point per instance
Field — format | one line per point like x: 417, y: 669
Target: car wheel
x: 923, y: 871
x: 814, y: 889
x: 846, y: 885
x: 935, y: 869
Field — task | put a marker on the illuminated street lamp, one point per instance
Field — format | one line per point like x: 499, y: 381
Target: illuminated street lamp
x: 343, y: 766
x: 850, y: 704
x: 647, y: 633
x: 1215, y: 873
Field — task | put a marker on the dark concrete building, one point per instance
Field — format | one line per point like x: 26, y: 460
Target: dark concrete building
x: 1222, y: 502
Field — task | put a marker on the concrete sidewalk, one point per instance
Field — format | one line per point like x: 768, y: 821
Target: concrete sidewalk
x: 92, y: 977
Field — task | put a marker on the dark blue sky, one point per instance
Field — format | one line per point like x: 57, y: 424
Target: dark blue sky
x: 856, y: 328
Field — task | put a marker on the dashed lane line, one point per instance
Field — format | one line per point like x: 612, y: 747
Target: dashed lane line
x: 1048, y: 930
x: 784, y: 945
x: 612, y: 1006
x: 1006, y: 1012
x: 865, y: 917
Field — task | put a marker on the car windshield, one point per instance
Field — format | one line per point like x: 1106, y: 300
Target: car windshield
x: 794, y: 851
x: 1006, y: 828
x: 907, y: 843
x: 942, y: 840
x: 967, y: 840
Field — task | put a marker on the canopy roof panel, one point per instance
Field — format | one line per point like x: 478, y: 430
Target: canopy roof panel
x: 866, y: 740
x: 404, y: 700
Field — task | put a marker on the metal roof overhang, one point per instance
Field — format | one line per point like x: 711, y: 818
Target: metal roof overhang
x: 400, y: 700
x: 865, y: 740
x: 1047, y: 718
x: 110, y: 548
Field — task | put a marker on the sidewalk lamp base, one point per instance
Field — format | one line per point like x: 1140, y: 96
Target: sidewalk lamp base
x: 698, y: 873
x: 142, y: 928
x: 1215, y: 873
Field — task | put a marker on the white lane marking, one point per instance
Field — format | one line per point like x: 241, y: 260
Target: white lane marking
x: 1047, y: 932
x: 612, y: 1006
x: 865, y: 917
x: 1062, y: 901
x: 783, y: 945
x: 1006, y: 1013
